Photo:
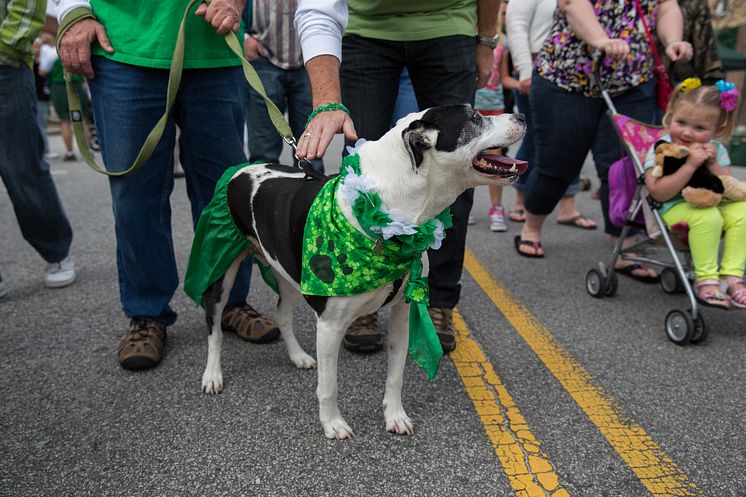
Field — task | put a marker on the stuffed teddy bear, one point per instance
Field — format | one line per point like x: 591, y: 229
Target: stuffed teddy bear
x: 704, y: 189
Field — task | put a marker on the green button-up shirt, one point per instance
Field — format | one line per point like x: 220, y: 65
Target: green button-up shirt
x: 20, y: 22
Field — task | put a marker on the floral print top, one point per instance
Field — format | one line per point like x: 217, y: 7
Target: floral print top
x: 567, y: 61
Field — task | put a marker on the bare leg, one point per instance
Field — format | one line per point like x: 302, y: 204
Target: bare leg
x: 329, y: 334
x: 397, y: 420
x: 532, y: 232
x: 214, y: 301
x: 66, y: 131
x: 289, y: 299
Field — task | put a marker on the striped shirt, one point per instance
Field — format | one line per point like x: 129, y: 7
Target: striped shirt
x: 272, y: 25
x: 20, y: 22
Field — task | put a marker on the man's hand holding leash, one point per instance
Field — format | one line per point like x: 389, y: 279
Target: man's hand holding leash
x: 75, y: 45
x: 223, y: 15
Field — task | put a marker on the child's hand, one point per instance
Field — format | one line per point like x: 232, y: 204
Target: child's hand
x: 698, y: 155
x: 711, y: 152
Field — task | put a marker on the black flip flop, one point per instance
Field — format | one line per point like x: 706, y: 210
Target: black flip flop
x: 517, y: 241
x: 627, y: 271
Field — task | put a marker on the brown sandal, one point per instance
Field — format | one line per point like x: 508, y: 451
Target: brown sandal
x: 142, y: 346
x: 249, y: 325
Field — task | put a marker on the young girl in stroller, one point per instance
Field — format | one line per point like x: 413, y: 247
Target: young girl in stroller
x: 696, y: 117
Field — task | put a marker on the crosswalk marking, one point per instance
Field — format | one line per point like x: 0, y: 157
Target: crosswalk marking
x: 528, y: 469
x: 657, y: 472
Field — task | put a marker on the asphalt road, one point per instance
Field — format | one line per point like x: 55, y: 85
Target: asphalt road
x: 550, y: 392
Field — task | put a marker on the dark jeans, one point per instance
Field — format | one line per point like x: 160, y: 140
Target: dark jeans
x: 527, y: 149
x: 566, y: 126
x: 443, y: 71
x: 209, y: 111
x: 25, y: 173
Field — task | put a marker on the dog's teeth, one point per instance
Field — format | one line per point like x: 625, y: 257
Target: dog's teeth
x: 513, y: 169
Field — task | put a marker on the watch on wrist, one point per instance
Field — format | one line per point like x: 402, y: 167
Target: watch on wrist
x: 487, y: 41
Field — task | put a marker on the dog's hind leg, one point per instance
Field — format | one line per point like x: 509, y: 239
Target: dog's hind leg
x: 213, y: 302
x: 289, y: 299
x: 397, y: 420
x: 329, y: 335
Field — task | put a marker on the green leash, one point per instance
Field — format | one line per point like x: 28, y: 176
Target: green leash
x: 174, y: 79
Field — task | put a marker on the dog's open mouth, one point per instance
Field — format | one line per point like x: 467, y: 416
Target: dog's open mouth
x: 491, y: 162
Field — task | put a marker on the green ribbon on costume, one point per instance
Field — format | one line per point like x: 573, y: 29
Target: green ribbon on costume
x: 217, y: 243
x: 339, y: 260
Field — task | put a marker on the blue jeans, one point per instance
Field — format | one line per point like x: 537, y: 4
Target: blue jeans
x: 24, y: 171
x: 443, y: 71
x: 406, y: 102
x: 527, y: 149
x: 209, y: 111
x: 290, y: 91
x: 566, y: 126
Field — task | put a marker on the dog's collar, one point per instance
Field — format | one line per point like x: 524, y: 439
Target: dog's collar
x: 382, y: 223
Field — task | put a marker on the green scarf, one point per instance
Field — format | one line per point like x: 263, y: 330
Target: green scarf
x: 339, y: 260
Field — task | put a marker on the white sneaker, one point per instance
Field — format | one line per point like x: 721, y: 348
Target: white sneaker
x: 51, y: 156
x: 3, y: 289
x: 497, y: 219
x: 60, y: 274
x: 471, y: 221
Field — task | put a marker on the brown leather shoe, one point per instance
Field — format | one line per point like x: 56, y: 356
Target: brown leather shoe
x: 363, y: 335
x: 249, y: 325
x: 443, y: 322
x: 142, y: 346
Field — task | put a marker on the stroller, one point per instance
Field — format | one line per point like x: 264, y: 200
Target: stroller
x: 681, y: 327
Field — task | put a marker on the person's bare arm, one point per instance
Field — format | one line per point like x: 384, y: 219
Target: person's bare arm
x: 670, y: 30
x: 323, y: 73
x: 585, y: 25
x: 486, y: 26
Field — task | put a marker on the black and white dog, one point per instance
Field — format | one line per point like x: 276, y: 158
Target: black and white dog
x: 420, y: 167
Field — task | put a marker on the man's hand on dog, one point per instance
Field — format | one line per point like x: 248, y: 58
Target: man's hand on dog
x: 75, y: 46
x: 319, y: 133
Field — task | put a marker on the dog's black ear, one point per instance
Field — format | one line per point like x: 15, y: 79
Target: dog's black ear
x: 416, y: 142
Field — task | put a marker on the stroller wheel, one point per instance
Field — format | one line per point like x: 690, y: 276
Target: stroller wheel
x: 594, y: 283
x: 670, y: 281
x: 700, y: 330
x: 598, y: 286
x: 679, y: 326
x: 611, y: 284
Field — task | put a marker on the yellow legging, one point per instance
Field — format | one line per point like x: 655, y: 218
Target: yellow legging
x: 705, y: 228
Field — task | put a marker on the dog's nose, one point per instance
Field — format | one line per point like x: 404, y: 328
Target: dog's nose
x: 521, y: 118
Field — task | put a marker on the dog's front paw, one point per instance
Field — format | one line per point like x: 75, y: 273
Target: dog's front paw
x: 303, y: 361
x: 398, y: 422
x: 338, y: 429
x: 212, y: 382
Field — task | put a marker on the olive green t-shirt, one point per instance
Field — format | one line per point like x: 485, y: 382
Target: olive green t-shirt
x: 143, y: 33
x: 411, y: 20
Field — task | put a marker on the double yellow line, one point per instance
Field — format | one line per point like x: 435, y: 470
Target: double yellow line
x: 529, y: 470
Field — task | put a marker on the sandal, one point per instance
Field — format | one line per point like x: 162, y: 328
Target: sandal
x: 736, y: 291
x: 517, y: 215
x: 579, y: 221
x: 534, y: 244
x: 708, y: 293
x: 249, y: 325
x: 142, y: 346
x: 629, y: 270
